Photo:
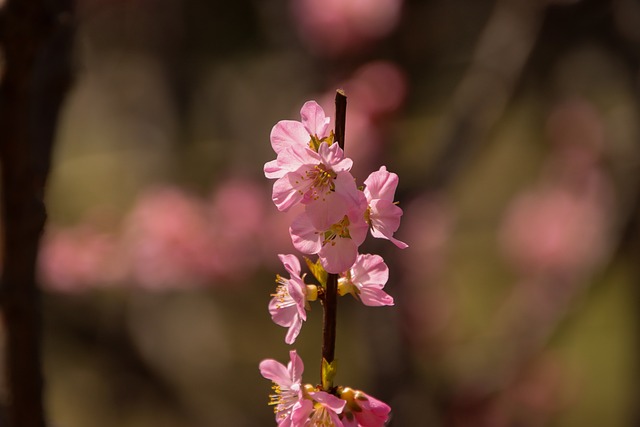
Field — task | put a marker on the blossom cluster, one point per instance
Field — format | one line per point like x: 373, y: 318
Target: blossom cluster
x: 297, y: 404
x: 312, y: 175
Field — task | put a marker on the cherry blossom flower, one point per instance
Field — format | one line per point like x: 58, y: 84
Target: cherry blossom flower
x: 365, y: 280
x: 313, y: 129
x: 297, y: 405
x: 363, y: 410
x: 383, y: 214
x: 308, y: 175
x: 308, y: 162
x: 332, y: 235
x: 322, y: 410
x: 287, y: 386
x: 287, y: 307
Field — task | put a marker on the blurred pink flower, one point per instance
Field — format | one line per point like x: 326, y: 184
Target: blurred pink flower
x: 167, y: 238
x: 334, y: 27
x: 554, y: 229
x: 78, y: 258
x: 236, y: 226
x: 365, y: 280
x: 376, y: 91
x: 287, y: 307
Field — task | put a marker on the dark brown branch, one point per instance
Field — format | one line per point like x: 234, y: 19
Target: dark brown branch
x: 330, y: 302
x: 36, y: 42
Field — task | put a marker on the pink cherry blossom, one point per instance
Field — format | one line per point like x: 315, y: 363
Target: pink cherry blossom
x: 287, y: 307
x: 288, y: 388
x: 323, y: 410
x: 334, y: 239
x: 335, y: 27
x: 383, y: 214
x: 365, y: 280
x: 289, y: 133
x: 167, y: 240
x: 308, y: 175
x: 79, y: 258
x: 363, y: 410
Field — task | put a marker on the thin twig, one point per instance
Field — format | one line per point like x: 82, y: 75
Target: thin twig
x: 330, y: 303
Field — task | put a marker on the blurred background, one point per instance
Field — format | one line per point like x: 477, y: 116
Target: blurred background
x: 513, y: 125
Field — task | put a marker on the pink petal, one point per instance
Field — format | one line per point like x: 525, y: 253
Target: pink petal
x: 314, y: 119
x: 301, y: 411
x: 338, y: 255
x: 358, y: 230
x: 294, y: 330
x: 375, y: 297
x: 287, y: 133
x: 304, y: 236
x: 291, y: 264
x: 297, y: 289
x: 381, y: 185
x: 385, y: 220
x: 323, y: 213
x: 296, y: 367
x: 273, y: 171
x: 282, y: 316
x: 369, y: 270
x: 275, y: 371
x: 375, y: 413
x: 333, y: 156
x: 329, y: 400
x: 285, y: 194
x: 346, y: 186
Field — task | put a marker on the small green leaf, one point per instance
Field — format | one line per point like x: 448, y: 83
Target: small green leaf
x: 329, y: 371
x: 317, y: 270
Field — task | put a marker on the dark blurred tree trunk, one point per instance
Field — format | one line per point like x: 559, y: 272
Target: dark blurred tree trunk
x: 36, y: 38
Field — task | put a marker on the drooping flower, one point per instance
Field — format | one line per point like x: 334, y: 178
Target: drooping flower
x: 287, y: 386
x: 365, y: 280
x: 287, y: 307
x: 363, y: 410
x: 383, y: 215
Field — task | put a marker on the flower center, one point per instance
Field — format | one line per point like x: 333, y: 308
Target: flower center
x: 282, y: 293
x: 283, y: 400
x: 320, y: 417
x: 339, y: 229
x: 321, y: 179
